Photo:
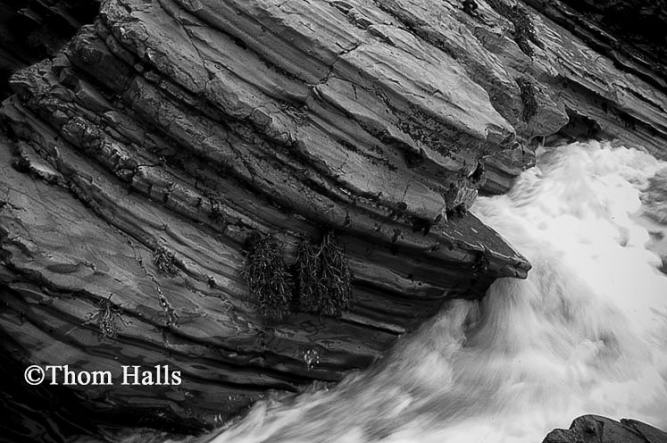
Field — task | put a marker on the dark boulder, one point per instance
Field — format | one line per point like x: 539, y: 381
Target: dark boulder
x: 596, y: 429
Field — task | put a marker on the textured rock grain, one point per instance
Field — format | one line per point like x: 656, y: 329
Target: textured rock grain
x: 593, y: 428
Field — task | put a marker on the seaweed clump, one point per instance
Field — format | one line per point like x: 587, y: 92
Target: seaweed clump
x: 165, y: 261
x: 323, y: 277
x: 268, y: 277
x: 458, y: 211
x: 524, y: 30
x: 319, y: 282
x: 527, y: 98
x: 108, y: 318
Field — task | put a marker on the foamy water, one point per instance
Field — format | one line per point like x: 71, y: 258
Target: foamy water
x: 585, y: 333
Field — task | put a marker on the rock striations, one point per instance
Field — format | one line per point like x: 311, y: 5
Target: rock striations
x: 138, y: 159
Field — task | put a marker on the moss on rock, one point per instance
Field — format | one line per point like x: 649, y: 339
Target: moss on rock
x: 527, y: 98
x: 165, y: 261
x: 268, y: 278
x: 323, y: 278
x: 524, y: 30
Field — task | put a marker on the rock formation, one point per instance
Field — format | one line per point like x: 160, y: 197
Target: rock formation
x: 138, y: 159
x: 596, y: 429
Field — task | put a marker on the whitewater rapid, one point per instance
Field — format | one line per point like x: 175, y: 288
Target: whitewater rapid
x: 586, y: 332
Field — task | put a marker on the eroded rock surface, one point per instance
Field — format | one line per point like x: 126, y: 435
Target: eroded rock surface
x: 596, y: 429
x: 186, y: 126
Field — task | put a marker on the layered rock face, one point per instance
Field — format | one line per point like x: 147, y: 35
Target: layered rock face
x: 630, y: 31
x: 176, y: 129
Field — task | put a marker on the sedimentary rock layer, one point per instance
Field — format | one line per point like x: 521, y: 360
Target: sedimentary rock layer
x: 183, y: 127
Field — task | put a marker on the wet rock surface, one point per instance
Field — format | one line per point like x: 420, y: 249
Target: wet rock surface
x: 596, y: 429
x: 180, y: 128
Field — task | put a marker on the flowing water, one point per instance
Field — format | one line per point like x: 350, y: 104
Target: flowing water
x: 585, y: 333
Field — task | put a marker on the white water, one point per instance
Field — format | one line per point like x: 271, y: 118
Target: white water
x: 585, y: 333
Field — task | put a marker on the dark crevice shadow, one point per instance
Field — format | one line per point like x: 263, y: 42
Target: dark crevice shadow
x: 32, y: 30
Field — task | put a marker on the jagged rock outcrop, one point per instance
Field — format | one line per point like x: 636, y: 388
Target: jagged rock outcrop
x: 596, y: 429
x: 179, y: 128
x: 631, y: 32
x: 31, y: 30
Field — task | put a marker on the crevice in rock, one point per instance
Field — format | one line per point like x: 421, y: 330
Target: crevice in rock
x: 34, y: 30
x: 579, y: 128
